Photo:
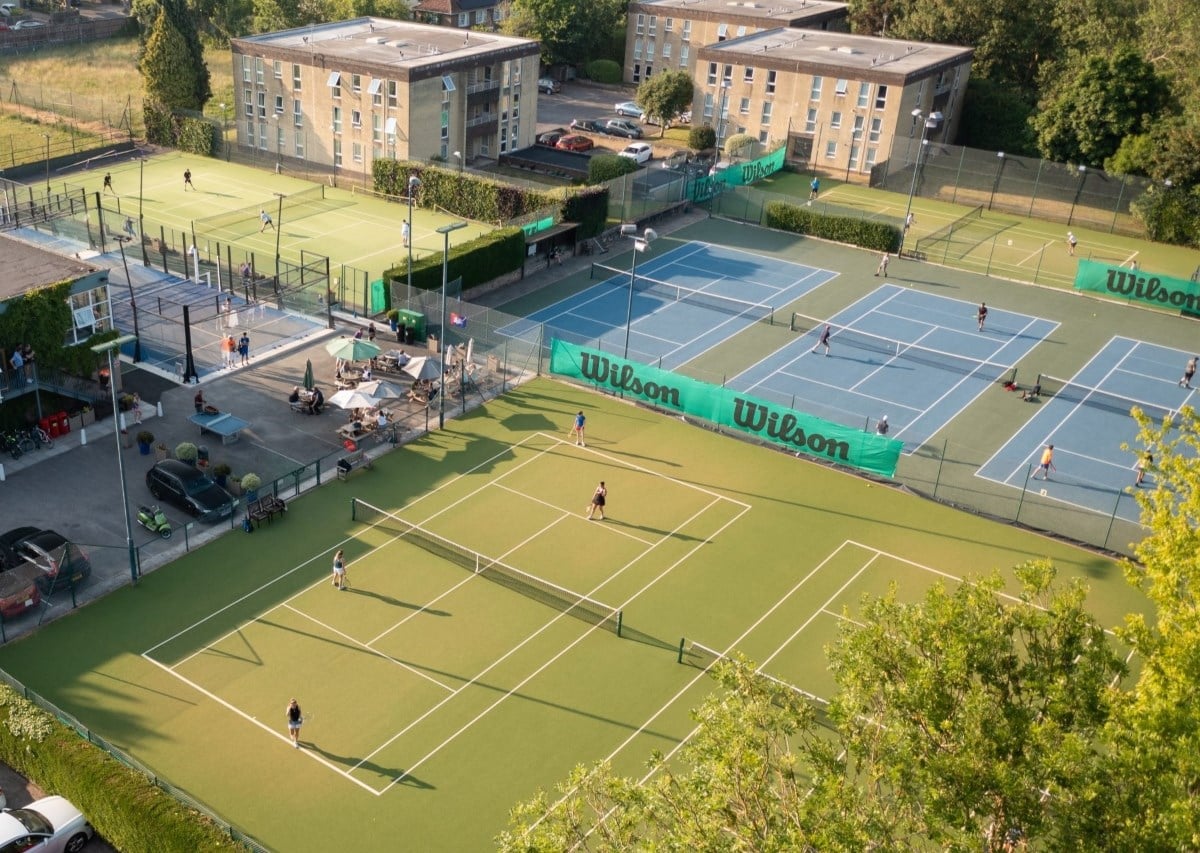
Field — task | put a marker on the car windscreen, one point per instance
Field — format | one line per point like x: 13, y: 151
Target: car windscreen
x: 33, y: 821
x: 197, y: 485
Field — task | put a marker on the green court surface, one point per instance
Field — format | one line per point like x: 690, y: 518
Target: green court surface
x: 349, y: 227
x: 434, y: 699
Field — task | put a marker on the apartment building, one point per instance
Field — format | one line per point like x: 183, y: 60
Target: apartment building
x: 347, y: 93
x: 666, y: 35
x: 838, y: 99
x: 463, y: 14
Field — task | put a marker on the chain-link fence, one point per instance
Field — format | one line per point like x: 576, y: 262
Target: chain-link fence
x: 1028, y: 186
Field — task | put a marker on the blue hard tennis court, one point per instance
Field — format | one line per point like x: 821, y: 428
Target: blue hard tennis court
x: 1086, y: 417
x: 686, y: 301
x: 916, y: 357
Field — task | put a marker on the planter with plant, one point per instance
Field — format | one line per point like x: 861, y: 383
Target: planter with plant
x: 186, y: 452
x: 221, y: 472
x: 145, y: 439
x: 161, y: 452
x: 250, y: 485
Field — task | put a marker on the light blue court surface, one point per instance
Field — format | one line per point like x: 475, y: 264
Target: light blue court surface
x: 687, y: 301
x: 1087, y: 428
x: 916, y: 357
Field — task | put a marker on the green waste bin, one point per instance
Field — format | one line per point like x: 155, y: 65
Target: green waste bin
x: 415, y: 320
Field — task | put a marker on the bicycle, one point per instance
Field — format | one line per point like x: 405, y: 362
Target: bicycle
x: 24, y: 442
x: 41, y: 438
x: 10, y: 445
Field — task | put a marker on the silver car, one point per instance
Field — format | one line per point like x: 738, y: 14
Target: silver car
x: 48, y: 825
x: 622, y: 127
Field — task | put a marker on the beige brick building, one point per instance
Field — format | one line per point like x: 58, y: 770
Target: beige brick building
x: 347, y: 93
x: 463, y: 14
x: 838, y: 99
x: 666, y: 35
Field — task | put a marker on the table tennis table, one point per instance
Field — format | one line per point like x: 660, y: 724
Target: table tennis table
x: 225, y: 425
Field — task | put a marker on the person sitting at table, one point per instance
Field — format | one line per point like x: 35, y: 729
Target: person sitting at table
x: 366, y: 373
x: 294, y: 397
x: 198, y: 401
x: 381, y: 420
x: 318, y: 400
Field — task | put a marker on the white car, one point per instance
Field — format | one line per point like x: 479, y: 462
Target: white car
x: 628, y: 108
x: 7, y: 9
x: 638, y: 152
x: 28, y: 24
x: 48, y: 825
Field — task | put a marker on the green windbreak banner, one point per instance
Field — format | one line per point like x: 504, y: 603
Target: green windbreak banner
x: 739, y: 174
x: 1162, y: 291
x: 768, y: 421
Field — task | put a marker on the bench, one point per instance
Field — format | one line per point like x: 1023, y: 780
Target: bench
x: 347, y: 464
x: 265, y: 508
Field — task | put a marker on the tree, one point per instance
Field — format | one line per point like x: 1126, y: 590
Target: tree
x: 996, y: 118
x: 165, y: 64
x: 570, y: 32
x: 664, y: 96
x: 1096, y: 103
x: 701, y: 137
x: 958, y: 719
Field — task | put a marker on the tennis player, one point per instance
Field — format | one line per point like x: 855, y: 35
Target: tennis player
x: 1047, y: 464
x: 339, y: 569
x: 295, y: 719
x: 577, y: 429
x: 824, y: 341
x: 599, y: 499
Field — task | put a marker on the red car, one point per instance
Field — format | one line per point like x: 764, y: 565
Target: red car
x: 575, y: 143
x: 19, y: 591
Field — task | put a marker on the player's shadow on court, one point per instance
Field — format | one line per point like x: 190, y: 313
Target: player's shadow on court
x: 387, y: 599
x: 674, y: 534
x: 350, y: 762
x: 529, y: 423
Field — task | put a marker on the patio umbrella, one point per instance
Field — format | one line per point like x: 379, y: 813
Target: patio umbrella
x: 351, y: 349
x: 352, y: 398
x: 381, y: 389
x: 308, y: 375
x: 424, y: 368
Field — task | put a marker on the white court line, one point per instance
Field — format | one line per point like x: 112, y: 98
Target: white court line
x: 365, y: 647
x: 1034, y: 254
x: 569, y: 514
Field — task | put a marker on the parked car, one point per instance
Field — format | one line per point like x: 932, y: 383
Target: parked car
x: 548, y: 86
x: 59, y: 561
x: 684, y: 117
x: 629, y: 108
x: 189, y: 489
x: 550, y: 137
x: 574, y: 142
x: 48, y: 825
x: 28, y: 24
x: 19, y: 591
x: 622, y: 127
x: 586, y: 125
x: 638, y: 152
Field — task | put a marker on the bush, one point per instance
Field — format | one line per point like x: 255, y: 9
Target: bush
x: 463, y: 194
x: 702, y: 137
x: 588, y: 207
x: 186, y: 452
x: 877, y: 236
x: 740, y: 145
x: 477, y: 261
x: 221, y: 469
x: 605, y: 167
x: 250, y: 482
x: 603, y: 71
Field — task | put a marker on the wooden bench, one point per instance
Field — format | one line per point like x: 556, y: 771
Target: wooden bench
x: 265, y: 508
x: 347, y: 464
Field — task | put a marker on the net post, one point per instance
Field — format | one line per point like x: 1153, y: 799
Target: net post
x: 354, y: 509
x: 679, y: 657
x: 620, y: 621
x: 1024, y: 489
x: 593, y: 270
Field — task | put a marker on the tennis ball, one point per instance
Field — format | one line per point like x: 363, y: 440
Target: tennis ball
x: 1010, y: 242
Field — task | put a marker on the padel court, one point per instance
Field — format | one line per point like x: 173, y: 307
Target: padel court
x: 685, y: 302
x: 916, y: 357
x: 1086, y: 418
x: 402, y: 674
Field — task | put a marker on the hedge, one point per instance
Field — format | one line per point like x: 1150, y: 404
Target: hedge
x: 477, y: 261
x: 878, y: 236
x: 126, y: 807
x: 606, y: 167
x: 603, y: 71
x: 178, y: 130
x: 461, y: 193
x: 588, y: 207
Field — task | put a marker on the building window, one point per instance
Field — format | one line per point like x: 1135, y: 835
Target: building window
x: 277, y: 69
x: 248, y: 100
x: 637, y: 72
x: 763, y: 136
x: 262, y: 104
x: 748, y: 75
x: 741, y: 31
x: 297, y: 113
x: 683, y: 55
x: 876, y: 126
x: 815, y: 94
x: 712, y: 73
x: 686, y: 35
x: 296, y: 76
x: 337, y: 152
x: 652, y: 29
x: 356, y: 152
x: 766, y: 113
x: 854, y: 154
x: 841, y: 87
x: 498, y: 14
x: 375, y: 90
x: 258, y: 70
x: 280, y: 139
x: 376, y: 129
x: 485, y: 146
x: 649, y: 70
x: 666, y: 50
x: 637, y: 49
x: 641, y: 25
x: 722, y: 32
x: 744, y: 107
x: 481, y: 16
x: 335, y: 83
x: 355, y: 118
x: 831, y: 149
x: 356, y: 84
x: 881, y: 97
x: 278, y: 104
x: 835, y: 120
x: 337, y: 119
x: 393, y: 96
x: 770, y: 82
x: 708, y: 105
x: 516, y: 106
x: 262, y: 137
x: 727, y: 75
x: 650, y: 50
x: 858, y: 127
x: 668, y: 25
x: 810, y: 123
x: 864, y: 95
x: 247, y: 70
x: 464, y: 19
x: 871, y: 152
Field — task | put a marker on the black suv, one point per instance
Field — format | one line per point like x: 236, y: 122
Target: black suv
x: 190, y: 489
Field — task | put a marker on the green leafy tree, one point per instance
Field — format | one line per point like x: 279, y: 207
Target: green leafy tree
x: 171, y: 77
x: 269, y: 16
x: 183, y: 21
x: 1096, y: 103
x: 1169, y: 33
x: 664, y: 96
x: 570, y: 32
x: 996, y: 118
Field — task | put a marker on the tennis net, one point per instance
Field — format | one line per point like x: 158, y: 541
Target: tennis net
x: 245, y: 220
x: 1064, y: 389
x: 1002, y: 373
x: 564, y: 600
x: 756, y: 311
x: 946, y: 233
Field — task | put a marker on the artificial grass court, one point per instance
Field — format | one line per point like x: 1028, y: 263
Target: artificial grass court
x: 349, y: 227
x: 435, y: 700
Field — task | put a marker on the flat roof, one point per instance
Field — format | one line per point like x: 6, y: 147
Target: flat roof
x: 823, y: 48
x: 778, y: 11
x: 385, y: 42
x: 29, y: 267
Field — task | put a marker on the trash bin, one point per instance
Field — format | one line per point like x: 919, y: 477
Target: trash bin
x: 202, y: 456
x: 64, y: 423
x: 47, y: 427
x: 415, y: 320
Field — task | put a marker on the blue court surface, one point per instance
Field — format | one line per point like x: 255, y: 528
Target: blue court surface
x: 1089, y: 421
x: 687, y: 301
x: 917, y: 358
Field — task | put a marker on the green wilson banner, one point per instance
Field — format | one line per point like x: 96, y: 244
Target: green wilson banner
x: 771, y: 422
x: 1162, y: 291
x: 738, y: 174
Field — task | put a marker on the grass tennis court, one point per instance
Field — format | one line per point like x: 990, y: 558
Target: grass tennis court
x: 434, y: 698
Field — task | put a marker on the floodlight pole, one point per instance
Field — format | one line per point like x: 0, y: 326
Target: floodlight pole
x: 445, y: 232
x: 108, y: 348
x: 414, y: 184
x: 1078, y: 191
x: 122, y: 239
x: 141, y: 220
x: 278, y: 229
x: 931, y: 123
x: 996, y: 181
x: 640, y: 244
x: 47, y: 136
x: 225, y: 129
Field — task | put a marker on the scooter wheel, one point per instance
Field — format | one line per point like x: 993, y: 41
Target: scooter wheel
x: 165, y: 533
